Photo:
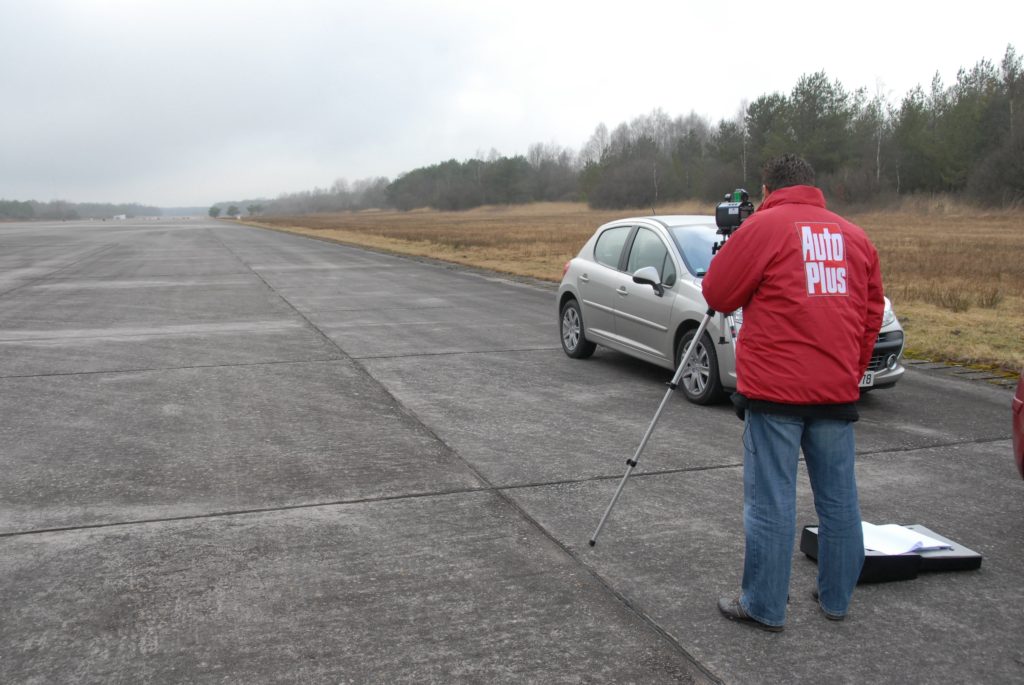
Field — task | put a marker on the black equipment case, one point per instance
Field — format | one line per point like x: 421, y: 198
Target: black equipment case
x: 880, y: 568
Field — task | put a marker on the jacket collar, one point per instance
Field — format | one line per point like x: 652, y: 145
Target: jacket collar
x: 799, y: 195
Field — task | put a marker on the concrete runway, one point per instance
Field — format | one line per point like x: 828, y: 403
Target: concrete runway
x: 236, y: 455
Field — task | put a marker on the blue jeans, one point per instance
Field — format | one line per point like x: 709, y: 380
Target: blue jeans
x: 772, y: 444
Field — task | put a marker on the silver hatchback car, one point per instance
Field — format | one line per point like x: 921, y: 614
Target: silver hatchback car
x: 635, y: 287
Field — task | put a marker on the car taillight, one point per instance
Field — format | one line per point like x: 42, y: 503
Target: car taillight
x: 565, y: 269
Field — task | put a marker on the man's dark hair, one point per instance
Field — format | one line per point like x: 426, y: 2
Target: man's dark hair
x: 787, y: 170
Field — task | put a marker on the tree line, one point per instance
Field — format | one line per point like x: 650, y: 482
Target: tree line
x: 60, y: 210
x: 965, y: 139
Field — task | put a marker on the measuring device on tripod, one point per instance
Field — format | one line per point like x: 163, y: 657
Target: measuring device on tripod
x: 729, y: 214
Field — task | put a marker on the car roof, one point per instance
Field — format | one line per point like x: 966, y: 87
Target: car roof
x: 671, y: 220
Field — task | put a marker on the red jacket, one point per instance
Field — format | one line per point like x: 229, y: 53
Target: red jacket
x: 810, y: 287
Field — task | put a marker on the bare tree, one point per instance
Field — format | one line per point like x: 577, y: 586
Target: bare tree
x: 595, y: 148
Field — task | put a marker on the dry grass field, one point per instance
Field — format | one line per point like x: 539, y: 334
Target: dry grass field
x: 955, y: 275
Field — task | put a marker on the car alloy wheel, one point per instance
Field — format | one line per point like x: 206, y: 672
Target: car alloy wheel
x: 571, y: 328
x: 695, y: 378
x: 700, y: 382
x: 574, y: 342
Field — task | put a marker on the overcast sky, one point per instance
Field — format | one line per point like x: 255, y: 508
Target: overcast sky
x: 183, y: 102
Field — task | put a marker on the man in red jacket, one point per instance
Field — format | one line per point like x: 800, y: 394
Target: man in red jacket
x: 811, y: 291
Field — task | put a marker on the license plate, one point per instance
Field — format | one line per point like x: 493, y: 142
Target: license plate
x: 868, y: 380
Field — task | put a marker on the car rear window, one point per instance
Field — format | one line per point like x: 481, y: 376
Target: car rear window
x: 608, y: 249
x: 695, y: 243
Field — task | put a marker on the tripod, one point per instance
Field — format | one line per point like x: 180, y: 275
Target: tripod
x: 672, y: 385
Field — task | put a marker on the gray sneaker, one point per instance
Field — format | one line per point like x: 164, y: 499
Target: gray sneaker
x: 732, y: 609
x: 829, y: 616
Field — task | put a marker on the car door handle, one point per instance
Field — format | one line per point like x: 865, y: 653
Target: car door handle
x: 622, y: 291
x: 585, y: 278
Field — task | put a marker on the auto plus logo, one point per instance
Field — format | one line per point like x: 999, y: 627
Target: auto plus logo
x: 824, y: 254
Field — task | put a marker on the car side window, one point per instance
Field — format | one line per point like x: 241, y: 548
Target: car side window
x: 648, y: 250
x: 609, y: 245
x: 668, y: 274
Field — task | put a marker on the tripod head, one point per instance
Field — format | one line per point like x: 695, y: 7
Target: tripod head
x: 730, y: 213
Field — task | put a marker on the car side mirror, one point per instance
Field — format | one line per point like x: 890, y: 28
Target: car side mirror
x: 648, y: 275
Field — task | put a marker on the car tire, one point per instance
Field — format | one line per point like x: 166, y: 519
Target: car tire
x: 572, y: 333
x: 700, y: 382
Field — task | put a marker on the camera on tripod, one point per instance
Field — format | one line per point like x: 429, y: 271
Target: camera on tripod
x: 733, y: 211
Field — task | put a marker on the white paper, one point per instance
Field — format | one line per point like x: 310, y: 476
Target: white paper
x: 894, y: 539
